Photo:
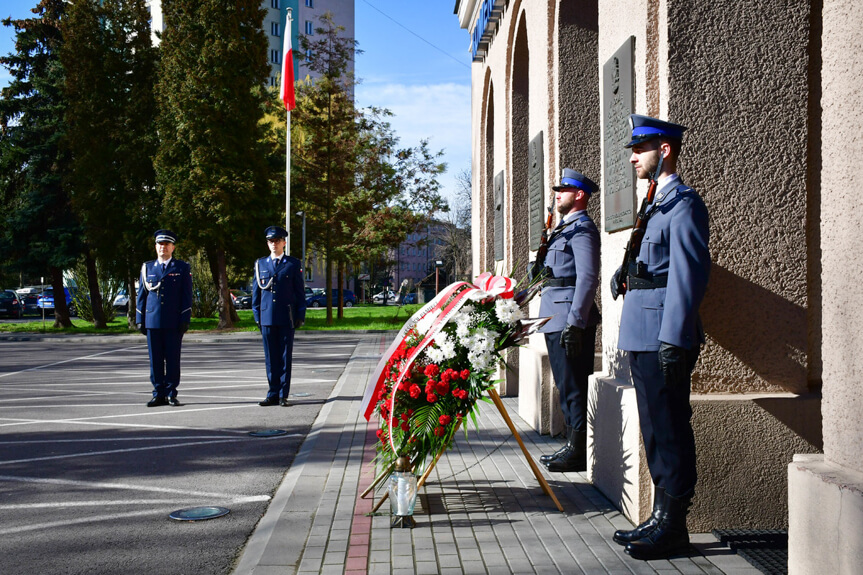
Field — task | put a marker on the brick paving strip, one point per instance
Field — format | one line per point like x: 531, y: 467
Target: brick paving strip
x: 481, y: 511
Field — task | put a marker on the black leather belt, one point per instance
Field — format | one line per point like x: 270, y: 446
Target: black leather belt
x: 559, y: 282
x: 639, y: 278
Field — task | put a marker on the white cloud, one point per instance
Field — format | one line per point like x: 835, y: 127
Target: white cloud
x: 437, y: 112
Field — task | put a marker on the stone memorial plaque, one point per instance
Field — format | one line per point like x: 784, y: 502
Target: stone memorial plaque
x: 535, y: 191
x: 498, y: 216
x: 617, y: 104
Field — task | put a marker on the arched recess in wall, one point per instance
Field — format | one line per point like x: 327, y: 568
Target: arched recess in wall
x: 487, y: 206
x: 578, y: 109
x: 518, y: 145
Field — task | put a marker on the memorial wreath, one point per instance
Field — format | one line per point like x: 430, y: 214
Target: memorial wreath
x: 442, y: 363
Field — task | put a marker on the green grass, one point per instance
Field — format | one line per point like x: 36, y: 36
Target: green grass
x: 375, y: 317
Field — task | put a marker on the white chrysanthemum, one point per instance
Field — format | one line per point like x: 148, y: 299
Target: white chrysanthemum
x: 426, y: 322
x: 462, y: 332
x: 479, y: 361
x: 434, y: 354
x: 507, y: 311
x: 445, y: 344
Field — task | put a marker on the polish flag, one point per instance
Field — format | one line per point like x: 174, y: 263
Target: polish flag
x: 287, y: 91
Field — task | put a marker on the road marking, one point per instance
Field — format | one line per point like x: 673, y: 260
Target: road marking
x: 148, y: 413
x: 68, y: 361
x: 117, y: 439
x: 129, y: 486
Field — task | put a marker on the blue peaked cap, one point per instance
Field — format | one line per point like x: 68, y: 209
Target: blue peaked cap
x: 165, y: 236
x: 571, y: 179
x: 275, y: 232
x: 645, y: 128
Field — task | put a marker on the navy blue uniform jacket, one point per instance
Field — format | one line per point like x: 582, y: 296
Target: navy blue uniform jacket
x: 167, y: 302
x: 675, y: 243
x: 279, y: 297
x: 572, y: 253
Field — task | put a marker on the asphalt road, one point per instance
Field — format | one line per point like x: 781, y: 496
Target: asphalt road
x: 89, y: 474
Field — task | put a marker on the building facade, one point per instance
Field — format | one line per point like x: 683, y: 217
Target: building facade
x: 771, y: 93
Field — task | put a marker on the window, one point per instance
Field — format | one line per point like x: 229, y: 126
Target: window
x: 274, y: 4
x: 308, y: 55
x: 310, y: 3
x: 274, y: 57
x: 272, y: 80
x: 274, y: 28
x: 309, y: 30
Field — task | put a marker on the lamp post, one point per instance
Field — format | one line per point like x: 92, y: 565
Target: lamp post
x: 437, y: 266
x: 303, y: 214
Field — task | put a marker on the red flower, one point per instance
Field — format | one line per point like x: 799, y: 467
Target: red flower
x: 415, y: 391
x: 431, y: 397
x: 446, y: 376
x: 404, y: 416
x: 405, y: 426
x: 465, y: 373
x: 432, y: 370
x: 431, y: 386
x: 380, y: 434
x: 444, y: 419
x: 410, y: 412
x: 439, y: 431
x: 442, y: 388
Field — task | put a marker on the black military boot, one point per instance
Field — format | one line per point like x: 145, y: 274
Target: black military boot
x: 575, y: 458
x: 624, y: 537
x: 668, y: 538
x: 546, y: 459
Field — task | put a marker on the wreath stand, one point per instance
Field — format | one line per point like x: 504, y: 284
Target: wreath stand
x: 546, y: 488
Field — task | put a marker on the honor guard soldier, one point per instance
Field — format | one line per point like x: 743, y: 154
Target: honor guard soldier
x: 279, y: 307
x: 572, y: 269
x: 661, y: 331
x: 164, y: 310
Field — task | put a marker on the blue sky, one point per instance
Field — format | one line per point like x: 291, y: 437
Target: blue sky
x: 426, y: 87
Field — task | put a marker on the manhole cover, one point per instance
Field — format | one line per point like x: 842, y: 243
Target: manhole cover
x: 301, y: 394
x: 268, y: 433
x: 199, y: 513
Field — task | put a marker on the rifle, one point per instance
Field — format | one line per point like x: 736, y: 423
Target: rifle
x: 633, y: 246
x: 542, y: 251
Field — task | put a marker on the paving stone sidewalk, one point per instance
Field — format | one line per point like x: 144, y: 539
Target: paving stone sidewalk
x: 482, y: 510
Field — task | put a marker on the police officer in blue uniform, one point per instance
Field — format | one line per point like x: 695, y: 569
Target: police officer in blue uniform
x: 572, y: 268
x: 279, y: 307
x: 164, y: 310
x: 661, y: 331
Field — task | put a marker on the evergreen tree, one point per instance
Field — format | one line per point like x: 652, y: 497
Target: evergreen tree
x: 211, y: 163
x: 110, y: 66
x: 39, y: 230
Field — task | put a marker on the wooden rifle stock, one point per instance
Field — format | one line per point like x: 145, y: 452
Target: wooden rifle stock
x: 542, y: 251
x: 633, y: 246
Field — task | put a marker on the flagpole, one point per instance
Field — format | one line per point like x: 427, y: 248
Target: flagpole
x: 287, y: 54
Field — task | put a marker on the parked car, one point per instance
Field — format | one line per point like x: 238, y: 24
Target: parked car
x: 410, y: 298
x: 11, y: 304
x: 320, y: 299
x: 379, y: 297
x: 241, y: 299
x: 46, y: 301
x: 31, y: 301
x: 121, y: 301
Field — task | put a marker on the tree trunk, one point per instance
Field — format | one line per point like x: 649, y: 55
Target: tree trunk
x: 132, y: 304
x: 340, y: 293
x: 329, y: 277
x: 226, y: 319
x: 95, y: 292
x: 61, y: 310
x: 213, y: 260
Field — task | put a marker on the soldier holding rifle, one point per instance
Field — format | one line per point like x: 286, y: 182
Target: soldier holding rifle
x: 571, y: 264
x: 664, y: 278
